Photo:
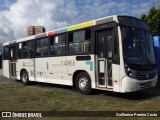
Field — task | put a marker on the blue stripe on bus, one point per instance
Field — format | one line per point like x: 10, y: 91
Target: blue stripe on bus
x: 91, y: 64
x: 62, y: 30
x: 47, y: 66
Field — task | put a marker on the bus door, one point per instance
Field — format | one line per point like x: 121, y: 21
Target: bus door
x: 12, y: 62
x: 104, y: 40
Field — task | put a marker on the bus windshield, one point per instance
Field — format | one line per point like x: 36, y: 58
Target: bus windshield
x: 137, y: 46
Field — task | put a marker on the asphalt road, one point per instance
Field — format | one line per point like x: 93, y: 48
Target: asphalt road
x: 1, y: 71
x: 4, y: 80
x: 135, y: 97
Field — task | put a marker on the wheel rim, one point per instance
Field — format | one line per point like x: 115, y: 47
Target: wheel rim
x: 83, y: 83
x: 24, y: 77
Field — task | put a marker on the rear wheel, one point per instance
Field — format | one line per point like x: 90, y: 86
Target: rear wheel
x: 24, y: 77
x: 83, y: 83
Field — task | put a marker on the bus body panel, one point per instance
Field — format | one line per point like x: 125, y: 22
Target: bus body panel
x: 28, y: 65
x: 131, y: 85
x: 121, y: 70
x: 116, y: 77
x: 82, y: 65
x: 58, y: 70
x: 6, y: 68
x: 53, y: 70
x: 48, y: 68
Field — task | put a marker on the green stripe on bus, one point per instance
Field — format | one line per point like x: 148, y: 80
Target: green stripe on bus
x: 73, y: 28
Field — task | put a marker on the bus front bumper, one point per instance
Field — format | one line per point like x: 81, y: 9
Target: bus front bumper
x: 132, y: 85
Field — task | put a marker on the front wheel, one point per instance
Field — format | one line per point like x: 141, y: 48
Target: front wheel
x: 24, y: 77
x: 83, y: 83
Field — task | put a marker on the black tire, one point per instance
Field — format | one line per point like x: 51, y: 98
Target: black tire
x: 83, y: 83
x: 24, y: 77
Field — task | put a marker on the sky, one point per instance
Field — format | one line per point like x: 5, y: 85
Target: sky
x: 16, y: 15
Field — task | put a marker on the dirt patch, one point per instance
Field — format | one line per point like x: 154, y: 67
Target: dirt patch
x: 5, y: 80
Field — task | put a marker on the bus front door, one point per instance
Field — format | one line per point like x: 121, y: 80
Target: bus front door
x: 104, y: 41
x: 12, y: 62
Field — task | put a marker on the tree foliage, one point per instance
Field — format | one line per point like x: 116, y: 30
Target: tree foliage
x: 153, y: 20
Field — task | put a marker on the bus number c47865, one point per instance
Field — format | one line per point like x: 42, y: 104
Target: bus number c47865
x: 68, y: 63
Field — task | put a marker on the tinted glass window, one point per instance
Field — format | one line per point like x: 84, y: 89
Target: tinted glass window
x: 25, y: 49
x: 31, y: 49
x: 42, y: 47
x: 80, y: 41
x: 130, y: 21
x: 79, y: 36
x: 138, y: 46
x: 110, y: 43
x: 6, y: 53
x: 101, y: 44
x: 19, y: 50
x: 38, y: 47
x: 58, y: 45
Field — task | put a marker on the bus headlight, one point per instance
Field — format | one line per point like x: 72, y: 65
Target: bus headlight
x: 128, y: 71
x: 131, y: 75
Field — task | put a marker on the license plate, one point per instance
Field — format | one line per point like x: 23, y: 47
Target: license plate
x: 148, y: 84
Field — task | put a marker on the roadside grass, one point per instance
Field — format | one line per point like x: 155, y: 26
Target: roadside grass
x: 15, y: 97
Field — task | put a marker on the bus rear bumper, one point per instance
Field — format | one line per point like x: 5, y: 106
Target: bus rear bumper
x: 132, y: 85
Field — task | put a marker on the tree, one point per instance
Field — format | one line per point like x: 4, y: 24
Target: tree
x: 153, y: 20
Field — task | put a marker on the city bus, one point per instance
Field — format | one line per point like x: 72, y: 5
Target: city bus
x: 1, y: 54
x: 113, y: 53
x: 156, y: 40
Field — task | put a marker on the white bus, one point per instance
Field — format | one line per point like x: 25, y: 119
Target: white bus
x: 113, y: 53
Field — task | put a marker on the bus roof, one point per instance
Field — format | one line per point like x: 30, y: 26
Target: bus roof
x: 67, y: 29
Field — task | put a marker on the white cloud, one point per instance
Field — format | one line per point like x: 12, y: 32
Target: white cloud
x: 35, y: 12
x: 5, y: 30
x: 53, y: 14
x: 24, y: 13
x: 141, y: 8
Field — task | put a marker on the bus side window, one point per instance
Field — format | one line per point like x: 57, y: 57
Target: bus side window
x: 19, y: 50
x: 110, y: 43
x: 79, y: 41
x: 25, y: 49
x: 71, y: 44
x: 38, y: 47
x: 44, y: 46
x: 87, y: 44
x: 58, y: 45
x: 115, y: 48
x: 60, y: 41
x: 6, y: 53
x: 31, y: 48
x: 52, y: 52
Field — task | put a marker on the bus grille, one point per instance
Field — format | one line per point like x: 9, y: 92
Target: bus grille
x: 145, y: 76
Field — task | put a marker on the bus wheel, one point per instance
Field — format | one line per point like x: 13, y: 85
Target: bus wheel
x: 83, y: 83
x: 24, y: 77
